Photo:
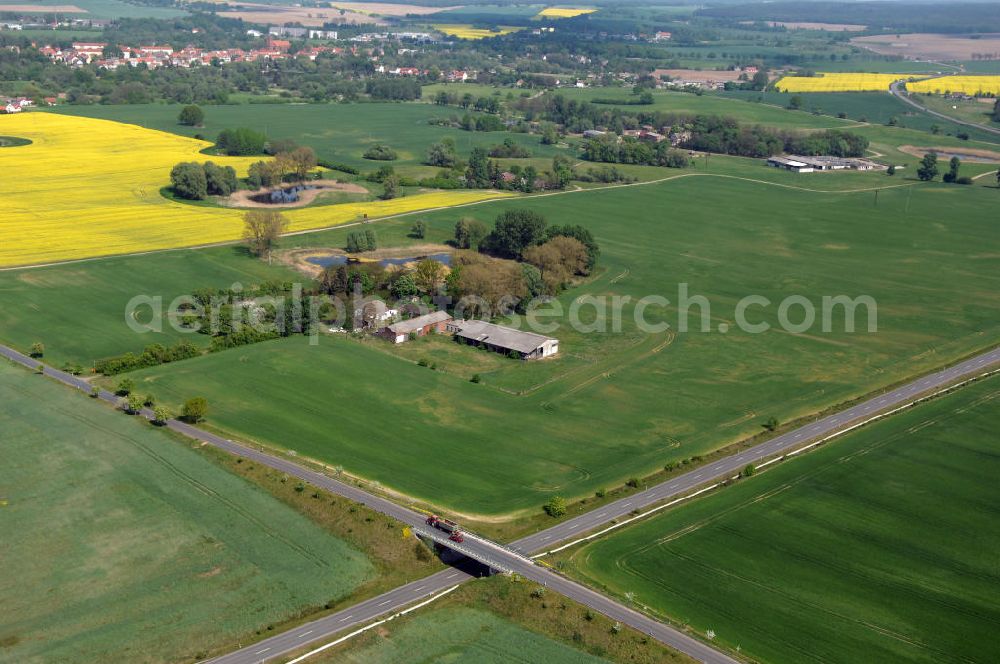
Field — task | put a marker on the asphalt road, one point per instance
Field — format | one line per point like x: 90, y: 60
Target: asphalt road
x: 899, y: 94
x: 515, y: 557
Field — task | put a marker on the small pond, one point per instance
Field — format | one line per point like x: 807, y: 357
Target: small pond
x: 341, y: 259
x: 284, y: 195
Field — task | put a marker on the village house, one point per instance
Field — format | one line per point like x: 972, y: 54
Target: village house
x: 397, y: 333
x: 506, y: 340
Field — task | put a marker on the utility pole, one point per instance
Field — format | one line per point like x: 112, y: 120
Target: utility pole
x: 876, y: 198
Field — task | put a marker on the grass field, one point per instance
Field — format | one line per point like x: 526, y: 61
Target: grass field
x: 463, y: 633
x: 878, y: 547
x: 874, y: 107
x: 338, y: 132
x: 37, y: 301
x: 501, y: 619
x: 108, y: 203
x: 683, y: 102
x: 680, y: 394
x: 103, y: 8
x: 132, y: 547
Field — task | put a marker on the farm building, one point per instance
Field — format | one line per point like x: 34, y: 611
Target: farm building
x: 790, y: 164
x: 802, y: 164
x: 399, y: 332
x: 500, y: 339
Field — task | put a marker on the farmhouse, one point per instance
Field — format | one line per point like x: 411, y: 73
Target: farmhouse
x: 399, y: 332
x: 500, y: 339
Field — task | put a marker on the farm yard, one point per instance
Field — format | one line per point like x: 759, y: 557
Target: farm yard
x: 119, y: 196
x: 932, y: 287
x: 132, y: 547
x: 876, y: 547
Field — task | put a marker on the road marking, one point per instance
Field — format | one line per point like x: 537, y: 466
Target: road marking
x: 305, y: 634
x: 260, y: 651
x: 600, y: 515
x: 451, y: 575
x: 385, y: 602
x: 347, y: 618
x: 416, y: 590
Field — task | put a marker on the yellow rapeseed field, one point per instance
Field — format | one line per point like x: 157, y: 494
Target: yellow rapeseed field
x: 87, y: 188
x: 466, y: 31
x: 969, y: 85
x: 838, y: 82
x: 564, y: 12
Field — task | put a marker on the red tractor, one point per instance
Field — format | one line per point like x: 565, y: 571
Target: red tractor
x: 450, y: 527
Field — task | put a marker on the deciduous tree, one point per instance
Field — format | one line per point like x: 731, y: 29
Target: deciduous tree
x: 261, y: 230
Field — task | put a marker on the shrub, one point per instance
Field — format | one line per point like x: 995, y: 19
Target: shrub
x: 556, y: 507
x: 37, y: 349
x: 195, y: 409
x: 191, y: 115
x: 421, y: 551
x: 125, y: 387
x: 600, y: 493
x: 633, y: 482
x: 380, y: 153
x: 749, y: 470
x: 188, y: 180
x: 476, y: 378
x: 160, y: 415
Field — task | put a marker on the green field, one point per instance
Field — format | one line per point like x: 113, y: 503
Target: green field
x: 502, y: 619
x: 106, y: 8
x: 38, y: 302
x: 338, y: 132
x: 684, y: 102
x: 637, y: 399
x: 130, y: 546
x: 880, y: 547
x: 463, y: 633
x: 877, y: 108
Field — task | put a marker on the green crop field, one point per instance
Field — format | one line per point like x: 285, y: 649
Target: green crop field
x: 79, y: 309
x: 635, y: 400
x: 338, y: 132
x: 880, y: 547
x: 463, y: 633
x: 105, y: 8
x: 877, y: 108
x: 684, y: 102
x: 130, y: 546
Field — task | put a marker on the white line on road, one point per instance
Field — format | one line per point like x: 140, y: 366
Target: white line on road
x: 261, y: 651
x: 347, y: 618
x: 305, y: 634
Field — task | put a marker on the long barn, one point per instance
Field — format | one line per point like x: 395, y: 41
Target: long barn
x: 507, y: 340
